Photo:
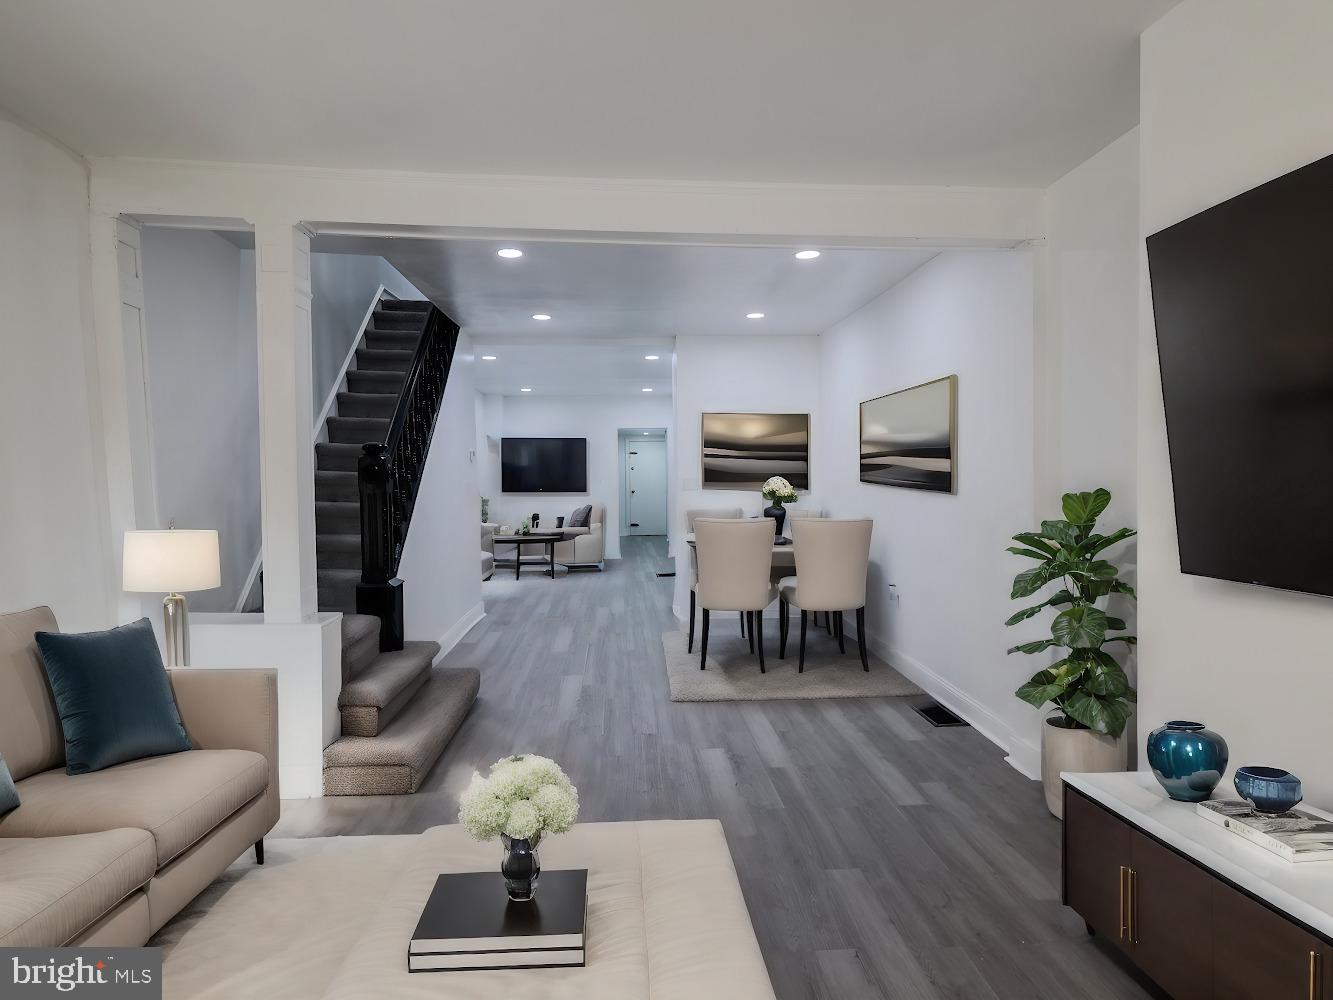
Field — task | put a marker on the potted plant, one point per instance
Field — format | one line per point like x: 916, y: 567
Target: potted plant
x: 1087, y: 685
x: 778, y: 491
x: 523, y: 798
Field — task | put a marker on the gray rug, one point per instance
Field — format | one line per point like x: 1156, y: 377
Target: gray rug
x: 733, y: 673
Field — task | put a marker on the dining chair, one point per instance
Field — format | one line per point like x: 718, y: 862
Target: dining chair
x: 690, y: 517
x: 784, y: 560
x: 734, y: 559
x: 832, y: 559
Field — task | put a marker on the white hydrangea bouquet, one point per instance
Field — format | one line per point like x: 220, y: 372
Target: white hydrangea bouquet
x: 524, y: 797
x: 778, y: 491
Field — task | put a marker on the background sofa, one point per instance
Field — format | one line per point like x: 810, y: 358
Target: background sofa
x: 107, y: 858
x: 586, y: 547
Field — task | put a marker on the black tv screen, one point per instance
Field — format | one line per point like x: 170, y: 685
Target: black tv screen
x: 544, y: 465
x: 1243, y: 300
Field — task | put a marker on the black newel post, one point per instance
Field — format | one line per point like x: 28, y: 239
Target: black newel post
x: 379, y: 593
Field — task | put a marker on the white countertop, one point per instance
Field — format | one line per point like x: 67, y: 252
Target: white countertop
x: 1305, y: 891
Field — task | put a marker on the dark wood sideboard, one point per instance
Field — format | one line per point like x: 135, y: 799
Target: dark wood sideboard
x: 1195, y: 933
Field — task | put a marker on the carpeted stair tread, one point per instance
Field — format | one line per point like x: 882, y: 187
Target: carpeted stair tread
x: 358, y: 430
x: 369, y: 701
x: 337, y: 517
x: 361, y: 643
x: 367, y: 404
x: 376, y: 382
x: 392, y: 340
x: 336, y: 456
x: 339, y: 485
x: 391, y: 361
x: 337, y: 588
x: 404, y: 305
x: 338, y: 550
x: 397, y: 760
x: 397, y: 319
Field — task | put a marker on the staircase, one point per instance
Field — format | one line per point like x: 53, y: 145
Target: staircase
x: 398, y: 710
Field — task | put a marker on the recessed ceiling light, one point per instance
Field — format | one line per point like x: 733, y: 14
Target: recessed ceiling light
x: 652, y: 357
x: 806, y: 254
x: 525, y: 389
x: 754, y: 315
x: 645, y: 433
x: 647, y: 388
x: 541, y: 316
x: 488, y: 357
x: 509, y: 253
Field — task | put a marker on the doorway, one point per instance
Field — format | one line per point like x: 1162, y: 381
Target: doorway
x: 643, y: 481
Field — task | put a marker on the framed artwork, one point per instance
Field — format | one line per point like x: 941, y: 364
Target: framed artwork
x: 909, y: 438
x: 742, y: 450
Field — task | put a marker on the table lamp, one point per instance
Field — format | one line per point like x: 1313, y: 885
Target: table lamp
x: 174, y: 561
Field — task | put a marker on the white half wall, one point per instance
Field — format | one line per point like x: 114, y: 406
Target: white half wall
x: 938, y: 591
x: 597, y: 418
x: 342, y: 284
x: 55, y: 545
x: 202, y: 366
x: 1232, y: 96
x: 440, y: 566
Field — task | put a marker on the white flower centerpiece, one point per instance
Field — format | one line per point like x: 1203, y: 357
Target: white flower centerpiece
x: 523, y: 798
x: 777, y: 491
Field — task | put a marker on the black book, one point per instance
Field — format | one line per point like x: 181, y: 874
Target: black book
x: 470, y: 923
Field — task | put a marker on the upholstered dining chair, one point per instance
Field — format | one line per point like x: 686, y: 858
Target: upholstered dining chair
x: 832, y: 559
x: 784, y: 560
x: 734, y: 558
x: 690, y: 517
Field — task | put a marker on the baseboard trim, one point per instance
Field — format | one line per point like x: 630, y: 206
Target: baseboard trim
x: 1023, y: 756
x: 459, y: 629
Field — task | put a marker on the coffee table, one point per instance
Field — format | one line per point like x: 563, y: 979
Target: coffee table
x: 547, y: 538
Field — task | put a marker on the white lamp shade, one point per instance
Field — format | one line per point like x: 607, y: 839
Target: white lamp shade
x: 174, y: 561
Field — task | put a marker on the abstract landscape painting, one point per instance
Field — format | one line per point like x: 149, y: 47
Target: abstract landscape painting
x: 908, y: 437
x: 742, y: 450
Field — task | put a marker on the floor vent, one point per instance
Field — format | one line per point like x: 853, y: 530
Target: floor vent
x: 937, y: 715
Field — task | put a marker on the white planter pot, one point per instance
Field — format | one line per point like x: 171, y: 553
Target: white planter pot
x: 1075, y: 750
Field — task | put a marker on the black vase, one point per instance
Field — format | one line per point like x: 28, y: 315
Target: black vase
x: 779, y: 516
x: 521, y: 867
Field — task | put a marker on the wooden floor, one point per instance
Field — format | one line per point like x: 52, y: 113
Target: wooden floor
x: 879, y: 857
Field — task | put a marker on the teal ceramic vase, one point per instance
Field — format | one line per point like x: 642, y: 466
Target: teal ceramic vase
x: 1188, y: 759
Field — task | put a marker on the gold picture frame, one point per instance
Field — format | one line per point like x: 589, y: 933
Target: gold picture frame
x: 909, y: 438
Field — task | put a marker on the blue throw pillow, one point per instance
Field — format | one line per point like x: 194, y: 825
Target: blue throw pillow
x: 9, y: 795
x: 113, y: 696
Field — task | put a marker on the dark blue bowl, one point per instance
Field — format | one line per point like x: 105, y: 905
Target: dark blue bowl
x: 1270, y: 790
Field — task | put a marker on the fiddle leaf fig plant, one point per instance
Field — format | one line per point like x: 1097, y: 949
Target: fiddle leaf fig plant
x: 1087, y: 684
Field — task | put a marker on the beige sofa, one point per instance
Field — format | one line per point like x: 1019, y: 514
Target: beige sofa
x: 586, y: 548
x: 107, y: 858
x: 487, y: 551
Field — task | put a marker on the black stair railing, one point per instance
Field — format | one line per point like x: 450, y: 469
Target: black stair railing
x: 389, y: 475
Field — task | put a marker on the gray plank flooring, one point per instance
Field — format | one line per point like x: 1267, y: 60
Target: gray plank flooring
x: 879, y: 857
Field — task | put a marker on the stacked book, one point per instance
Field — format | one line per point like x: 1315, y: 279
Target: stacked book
x: 470, y: 923
x: 1304, y: 834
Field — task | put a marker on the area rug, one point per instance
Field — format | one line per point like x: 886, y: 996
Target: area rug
x: 733, y: 672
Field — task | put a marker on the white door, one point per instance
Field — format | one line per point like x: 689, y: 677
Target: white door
x: 646, y: 486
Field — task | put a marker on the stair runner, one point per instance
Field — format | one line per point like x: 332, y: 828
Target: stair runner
x: 398, y: 711
x: 362, y: 415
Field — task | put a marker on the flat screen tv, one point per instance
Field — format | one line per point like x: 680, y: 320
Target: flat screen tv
x: 742, y: 450
x: 1243, y: 300
x: 544, y: 465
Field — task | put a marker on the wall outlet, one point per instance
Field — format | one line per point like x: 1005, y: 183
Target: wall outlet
x: 894, y: 596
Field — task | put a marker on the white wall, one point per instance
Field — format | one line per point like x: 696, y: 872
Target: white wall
x: 1232, y: 96
x: 968, y: 314
x: 54, y: 544
x: 597, y: 418
x: 440, y: 567
x: 343, y: 284
x: 741, y: 374
x: 203, y: 380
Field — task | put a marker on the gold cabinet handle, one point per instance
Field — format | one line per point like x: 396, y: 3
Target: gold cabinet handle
x: 1124, y: 872
x: 1314, y: 990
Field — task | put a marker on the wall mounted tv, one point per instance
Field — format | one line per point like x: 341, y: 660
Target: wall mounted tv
x: 1243, y: 299
x: 544, y: 465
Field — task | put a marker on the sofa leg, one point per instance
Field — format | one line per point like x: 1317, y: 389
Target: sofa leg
x: 259, y: 851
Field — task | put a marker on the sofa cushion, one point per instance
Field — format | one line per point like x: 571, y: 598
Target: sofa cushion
x: 30, y: 737
x: 9, y: 795
x: 178, y: 798
x: 580, y: 517
x: 113, y: 696
x: 57, y: 886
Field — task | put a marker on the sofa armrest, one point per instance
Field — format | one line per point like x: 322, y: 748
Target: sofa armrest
x: 576, y: 531
x: 226, y: 709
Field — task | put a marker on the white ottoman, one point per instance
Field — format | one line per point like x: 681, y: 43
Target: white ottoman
x: 666, y: 921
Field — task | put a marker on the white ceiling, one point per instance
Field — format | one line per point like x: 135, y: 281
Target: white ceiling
x: 611, y: 304
x: 855, y: 91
